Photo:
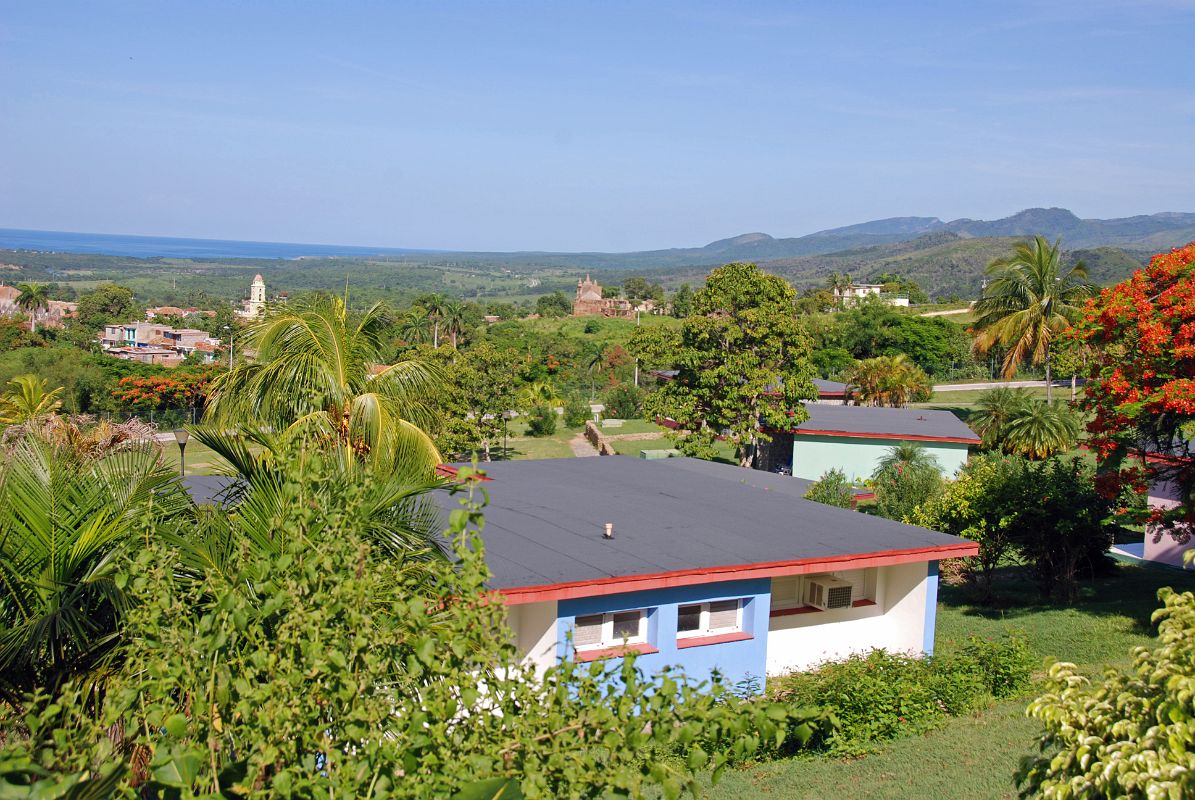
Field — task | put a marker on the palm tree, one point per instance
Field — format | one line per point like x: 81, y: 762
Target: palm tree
x: 29, y: 400
x: 454, y: 317
x: 839, y: 283
x: 888, y: 381
x: 906, y: 457
x: 435, y: 306
x: 539, y: 393
x: 33, y: 298
x: 907, y: 476
x: 1041, y: 430
x: 316, y: 376
x: 1028, y: 302
x: 65, y: 516
x: 994, y: 409
x: 414, y: 326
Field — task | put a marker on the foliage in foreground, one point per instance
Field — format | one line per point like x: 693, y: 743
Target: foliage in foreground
x: 1131, y: 734
x: 907, y: 476
x: 880, y: 695
x: 326, y: 671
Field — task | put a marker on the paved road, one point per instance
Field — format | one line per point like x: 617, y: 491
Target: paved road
x: 970, y: 387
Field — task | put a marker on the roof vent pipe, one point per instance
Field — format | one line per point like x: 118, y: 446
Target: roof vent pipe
x: 609, y: 534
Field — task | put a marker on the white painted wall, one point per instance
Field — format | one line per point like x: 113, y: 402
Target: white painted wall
x: 534, y: 626
x: 896, y: 623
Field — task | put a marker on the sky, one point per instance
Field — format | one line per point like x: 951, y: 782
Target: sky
x: 579, y: 126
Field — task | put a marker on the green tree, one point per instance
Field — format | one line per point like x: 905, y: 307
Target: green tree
x: 414, y: 326
x: 33, y: 298
x: 480, y: 388
x: 1128, y: 734
x: 108, y: 304
x: 29, y: 399
x: 623, y: 401
x: 553, y: 305
x: 682, y: 301
x: 742, y: 361
x: 316, y: 375
x: 541, y: 421
x: 65, y: 516
x: 435, y: 305
x: 455, y: 317
x: 832, y: 489
x: 1029, y: 301
x: 907, y: 476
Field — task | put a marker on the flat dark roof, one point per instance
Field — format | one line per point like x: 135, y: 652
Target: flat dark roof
x: 890, y: 423
x: 545, y: 520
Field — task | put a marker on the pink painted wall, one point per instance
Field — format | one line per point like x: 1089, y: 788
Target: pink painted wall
x: 1167, y: 550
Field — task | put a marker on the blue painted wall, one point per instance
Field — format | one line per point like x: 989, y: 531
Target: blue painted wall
x: 931, y: 607
x: 736, y: 661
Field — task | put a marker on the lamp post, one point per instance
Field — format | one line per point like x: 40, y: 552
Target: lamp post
x: 181, y: 435
x: 227, y: 328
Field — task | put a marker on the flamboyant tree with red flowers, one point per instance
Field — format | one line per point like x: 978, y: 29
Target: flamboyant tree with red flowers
x: 1142, y: 388
x: 176, y: 389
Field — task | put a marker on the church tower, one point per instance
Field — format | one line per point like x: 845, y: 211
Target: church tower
x: 257, y: 297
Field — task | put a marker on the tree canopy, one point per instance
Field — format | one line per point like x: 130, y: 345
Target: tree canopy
x: 742, y: 361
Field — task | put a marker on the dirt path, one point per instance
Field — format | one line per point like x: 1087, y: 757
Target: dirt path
x: 581, y: 446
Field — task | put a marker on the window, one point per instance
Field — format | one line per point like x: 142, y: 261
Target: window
x: 594, y: 631
x: 709, y: 619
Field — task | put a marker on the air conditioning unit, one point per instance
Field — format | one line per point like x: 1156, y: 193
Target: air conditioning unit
x: 826, y: 593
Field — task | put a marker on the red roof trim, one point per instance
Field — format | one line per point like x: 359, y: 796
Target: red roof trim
x: 878, y: 435
x: 737, y: 572
x: 448, y: 471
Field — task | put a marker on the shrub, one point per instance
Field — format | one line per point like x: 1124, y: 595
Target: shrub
x: 592, y: 326
x: 1130, y: 734
x: 906, y: 477
x: 541, y: 422
x: 881, y: 695
x: 832, y: 489
x: 624, y: 402
x: 576, y: 412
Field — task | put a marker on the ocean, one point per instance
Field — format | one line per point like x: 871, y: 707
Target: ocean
x: 168, y: 247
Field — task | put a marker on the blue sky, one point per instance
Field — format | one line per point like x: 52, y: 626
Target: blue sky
x: 575, y: 126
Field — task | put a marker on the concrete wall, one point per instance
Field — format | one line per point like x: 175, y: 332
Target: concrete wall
x: 736, y: 661
x: 1168, y: 549
x: 897, y: 622
x: 814, y: 456
x: 534, y: 626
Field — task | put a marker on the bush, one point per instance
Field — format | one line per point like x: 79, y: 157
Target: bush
x: 624, y: 401
x: 832, y: 489
x: 576, y: 412
x: 880, y: 695
x: 592, y: 326
x: 541, y: 422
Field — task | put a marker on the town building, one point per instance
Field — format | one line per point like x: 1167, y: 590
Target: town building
x: 700, y: 566
x: 855, y: 438
x: 856, y: 292
x: 52, y: 316
x: 590, y: 303
x: 1159, y: 546
x: 169, y: 346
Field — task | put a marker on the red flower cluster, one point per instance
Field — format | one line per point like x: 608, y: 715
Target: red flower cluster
x: 177, y: 390
x: 1143, y: 331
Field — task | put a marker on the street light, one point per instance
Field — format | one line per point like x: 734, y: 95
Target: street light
x: 229, y: 345
x: 181, y: 435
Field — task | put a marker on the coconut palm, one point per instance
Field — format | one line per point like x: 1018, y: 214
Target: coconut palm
x: 33, y: 298
x: 1041, y: 430
x: 64, y: 517
x: 539, y: 393
x: 888, y: 381
x: 316, y: 376
x: 1030, y: 299
x: 28, y: 400
x: 414, y: 326
x: 838, y: 284
x: 994, y: 409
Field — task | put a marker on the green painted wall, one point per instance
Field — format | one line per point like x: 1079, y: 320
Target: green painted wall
x: 814, y: 456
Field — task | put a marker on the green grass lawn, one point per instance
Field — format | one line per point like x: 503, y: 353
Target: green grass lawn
x: 200, y: 459
x: 976, y: 756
